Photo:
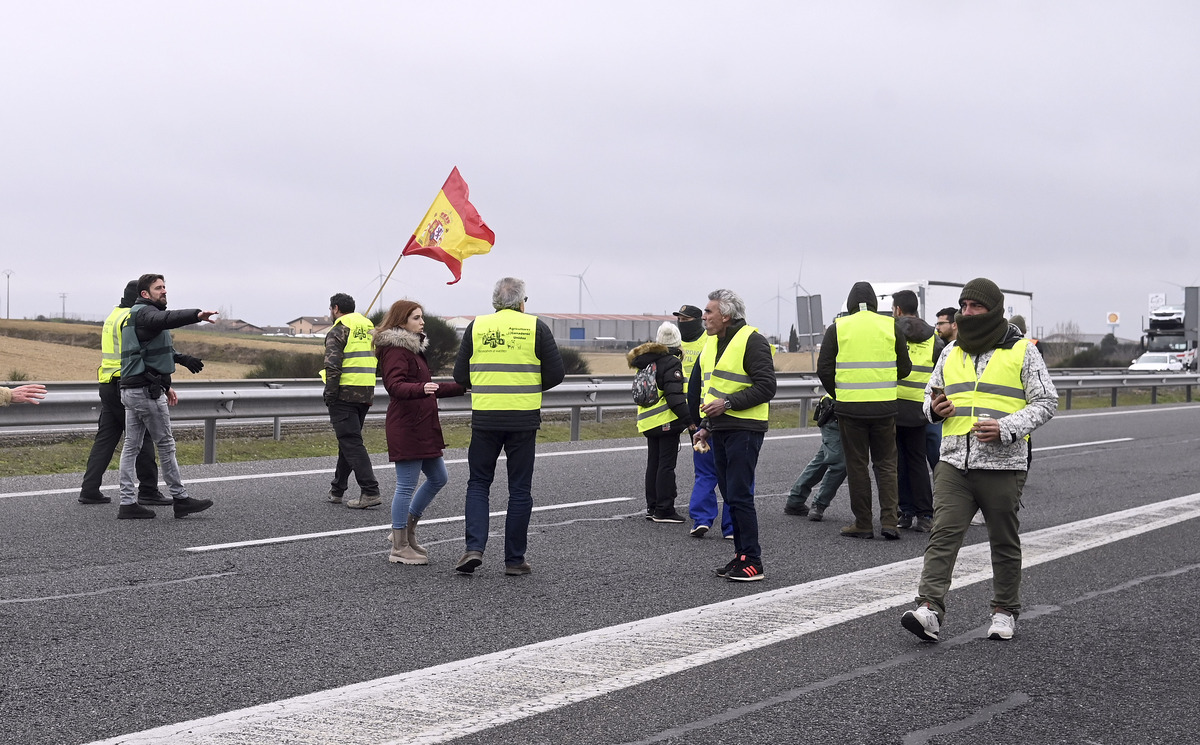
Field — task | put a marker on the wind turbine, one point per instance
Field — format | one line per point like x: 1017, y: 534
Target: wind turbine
x: 582, y: 285
x: 778, y: 299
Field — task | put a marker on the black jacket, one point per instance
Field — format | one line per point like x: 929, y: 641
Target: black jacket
x: 669, y: 377
x: 759, y: 366
x: 553, y: 371
x: 151, y: 321
x: 911, y: 413
x: 861, y: 293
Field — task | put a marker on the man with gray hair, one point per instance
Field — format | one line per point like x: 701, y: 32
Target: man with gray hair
x: 506, y: 359
x: 730, y: 387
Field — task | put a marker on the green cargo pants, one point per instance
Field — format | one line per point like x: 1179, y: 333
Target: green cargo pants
x: 956, y: 496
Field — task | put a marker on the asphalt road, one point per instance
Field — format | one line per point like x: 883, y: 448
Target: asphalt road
x: 112, y: 627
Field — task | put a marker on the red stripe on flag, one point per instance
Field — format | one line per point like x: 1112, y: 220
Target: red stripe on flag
x: 457, y: 193
x: 433, y: 252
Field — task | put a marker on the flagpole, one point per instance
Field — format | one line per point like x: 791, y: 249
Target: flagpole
x: 381, y: 286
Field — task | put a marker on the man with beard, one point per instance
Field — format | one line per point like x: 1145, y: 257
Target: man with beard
x: 147, y: 360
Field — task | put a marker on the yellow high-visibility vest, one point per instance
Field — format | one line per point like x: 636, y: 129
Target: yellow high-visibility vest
x: 110, y: 345
x: 506, y: 374
x: 358, y: 358
x: 726, y: 376
x: 691, y: 354
x: 912, y: 388
x: 998, y: 392
x: 866, y: 360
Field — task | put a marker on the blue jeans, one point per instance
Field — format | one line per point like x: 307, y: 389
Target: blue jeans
x: 405, y: 502
x: 702, y: 507
x: 736, y: 455
x: 519, y: 447
x: 147, y: 417
x: 828, y: 468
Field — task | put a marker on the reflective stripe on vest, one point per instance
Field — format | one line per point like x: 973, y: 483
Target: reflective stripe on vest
x: 998, y: 392
x: 912, y: 388
x: 866, y: 359
x: 691, y: 354
x: 158, y: 354
x: 506, y: 374
x: 655, y: 415
x: 110, y: 345
x: 721, y: 378
x: 358, y: 358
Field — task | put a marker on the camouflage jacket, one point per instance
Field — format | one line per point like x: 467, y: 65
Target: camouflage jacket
x: 335, y: 347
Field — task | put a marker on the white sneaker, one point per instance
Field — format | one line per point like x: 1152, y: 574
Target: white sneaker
x: 1003, y: 626
x: 978, y: 519
x: 923, y: 622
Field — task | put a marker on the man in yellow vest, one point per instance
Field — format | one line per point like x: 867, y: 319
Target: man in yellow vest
x: 990, y: 389
x: 913, y: 430
x: 735, y: 378
x: 507, y: 359
x: 111, y: 424
x: 863, y: 355
x: 702, y: 506
x: 349, y: 375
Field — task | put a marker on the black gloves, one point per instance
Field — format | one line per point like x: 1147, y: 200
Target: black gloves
x: 191, y: 363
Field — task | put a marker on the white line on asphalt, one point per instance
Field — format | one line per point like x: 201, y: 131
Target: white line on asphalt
x: 386, y: 466
x: 125, y: 588
x: 455, y: 699
x: 1082, y: 444
x: 369, y: 528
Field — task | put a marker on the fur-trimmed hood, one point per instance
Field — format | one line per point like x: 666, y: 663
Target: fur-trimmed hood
x: 402, y: 338
x: 651, y: 350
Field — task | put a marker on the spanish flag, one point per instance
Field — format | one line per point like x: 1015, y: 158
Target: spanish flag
x: 452, y: 229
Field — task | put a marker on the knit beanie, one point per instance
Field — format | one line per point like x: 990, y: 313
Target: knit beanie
x: 1019, y: 322
x: 984, y: 291
x: 668, y: 335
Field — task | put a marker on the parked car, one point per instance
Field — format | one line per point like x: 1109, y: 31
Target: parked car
x: 1156, y: 362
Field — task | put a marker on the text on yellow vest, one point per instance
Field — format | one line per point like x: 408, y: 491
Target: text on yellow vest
x: 506, y: 374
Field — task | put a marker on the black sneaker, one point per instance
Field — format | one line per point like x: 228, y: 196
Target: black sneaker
x: 905, y: 522
x: 93, y: 498
x: 188, y: 505
x: 802, y: 510
x: 724, y: 571
x: 747, y: 570
x: 671, y: 517
x: 156, y: 498
x: 649, y: 513
x: 134, y: 512
x: 516, y: 570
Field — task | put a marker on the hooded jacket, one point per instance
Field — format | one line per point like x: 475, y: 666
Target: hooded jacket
x: 860, y: 294
x: 669, y: 377
x: 413, y: 429
x: 911, y: 413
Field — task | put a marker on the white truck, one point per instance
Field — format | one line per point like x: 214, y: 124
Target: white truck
x: 933, y: 295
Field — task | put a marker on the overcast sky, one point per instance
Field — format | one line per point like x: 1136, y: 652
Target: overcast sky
x: 263, y: 155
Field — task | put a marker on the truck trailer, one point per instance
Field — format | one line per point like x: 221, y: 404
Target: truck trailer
x: 933, y: 295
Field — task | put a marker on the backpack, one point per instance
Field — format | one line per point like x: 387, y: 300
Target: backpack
x: 645, y: 385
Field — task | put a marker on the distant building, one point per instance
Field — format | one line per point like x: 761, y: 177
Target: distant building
x: 307, y: 325
x: 277, y: 331
x: 590, y: 331
x: 230, y: 325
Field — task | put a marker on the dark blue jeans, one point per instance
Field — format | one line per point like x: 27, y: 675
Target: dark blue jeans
x: 347, y: 420
x: 519, y: 447
x: 736, y: 455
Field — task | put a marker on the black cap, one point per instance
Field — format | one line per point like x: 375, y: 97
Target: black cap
x: 690, y: 311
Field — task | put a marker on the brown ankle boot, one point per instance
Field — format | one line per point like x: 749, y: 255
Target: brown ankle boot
x: 411, y: 530
x: 402, y: 552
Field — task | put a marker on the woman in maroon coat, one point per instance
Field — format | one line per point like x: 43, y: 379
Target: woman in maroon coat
x: 414, y: 434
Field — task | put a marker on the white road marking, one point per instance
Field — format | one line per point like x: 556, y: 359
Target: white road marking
x: 388, y: 526
x: 441, y: 703
x: 388, y: 466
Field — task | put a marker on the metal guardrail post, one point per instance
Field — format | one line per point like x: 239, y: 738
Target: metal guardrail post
x: 804, y: 412
x: 1189, y: 393
x: 277, y: 429
x: 1114, y: 396
x: 210, y: 441
x: 1068, y: 392
x: 575, y: 417
x: 1153, y: 394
